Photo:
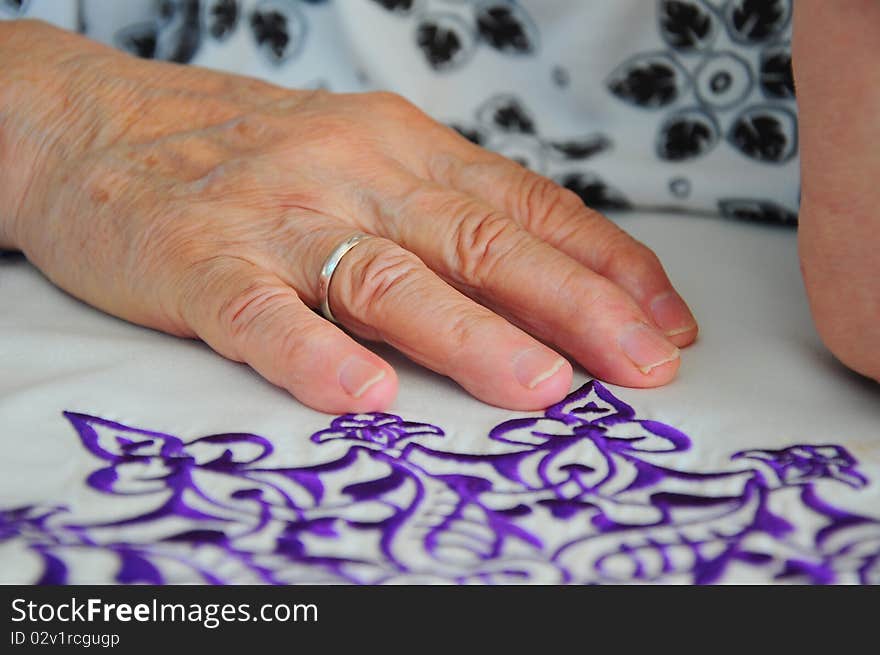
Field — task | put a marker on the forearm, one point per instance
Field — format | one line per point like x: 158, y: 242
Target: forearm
x: 15, y: 155
x: 34, y: 105
x: 60, y: 95
x: 836, y: 59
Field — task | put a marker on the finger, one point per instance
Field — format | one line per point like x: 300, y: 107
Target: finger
x: 381, y: 291
x: 559, y: 216
x: 553, y: 296
x: 248, y: 314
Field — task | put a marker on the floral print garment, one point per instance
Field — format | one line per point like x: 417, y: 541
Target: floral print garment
x: 661, y: 104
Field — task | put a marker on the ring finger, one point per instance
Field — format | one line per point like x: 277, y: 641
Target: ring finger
x: 382, y: 291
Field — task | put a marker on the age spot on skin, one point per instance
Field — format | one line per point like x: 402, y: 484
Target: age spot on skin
x: 100, y: 196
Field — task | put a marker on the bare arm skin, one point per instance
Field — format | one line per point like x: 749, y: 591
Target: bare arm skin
x: 837, y: 76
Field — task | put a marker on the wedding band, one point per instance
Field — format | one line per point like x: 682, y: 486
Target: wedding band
x: 329, y: 267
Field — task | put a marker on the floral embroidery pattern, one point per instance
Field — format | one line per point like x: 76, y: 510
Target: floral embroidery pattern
x: 14, y: 7
x: 584, y: 493
x: 707, y: 89
x: 278, y: 27
x: 505, y: 125
x: 448, y: 31
x: 725, y: 76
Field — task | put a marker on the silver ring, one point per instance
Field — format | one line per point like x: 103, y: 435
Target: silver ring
x: 329, y: 267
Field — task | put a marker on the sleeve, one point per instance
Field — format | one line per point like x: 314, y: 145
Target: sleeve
x: 62, y: 13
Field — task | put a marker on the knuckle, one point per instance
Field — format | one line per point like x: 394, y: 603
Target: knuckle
x: 378, y: 277
x: 539, y: 196
x: 467, y: 330
x: 594, y: 296
x: 624, y: 256
x: 330, y: 127
x: 333, y: 141
x: 241, y: 313
x: 218, y: 296
x: 481, y: 239
x: 393, y: 103
x: 302, y: 341
x: 444, y: 168
x: 644, y: 259
x: 542, y: 201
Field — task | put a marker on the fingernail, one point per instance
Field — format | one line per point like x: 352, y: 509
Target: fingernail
x: 646, y: 347
x: 672, y: 314
x: 357, y: 375
x: 534, y: 365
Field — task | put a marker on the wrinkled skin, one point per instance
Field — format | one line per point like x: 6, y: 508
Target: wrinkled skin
x: 203, y: 204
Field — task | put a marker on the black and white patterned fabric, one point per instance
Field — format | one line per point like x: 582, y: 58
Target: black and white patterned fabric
x: 678, y: 104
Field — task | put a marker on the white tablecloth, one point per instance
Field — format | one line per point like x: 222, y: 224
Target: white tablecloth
x: 761, y: 462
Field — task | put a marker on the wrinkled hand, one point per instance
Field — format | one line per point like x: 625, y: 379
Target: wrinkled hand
x: 204, y: 204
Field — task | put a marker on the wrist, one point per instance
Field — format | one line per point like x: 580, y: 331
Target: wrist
x: 36, y: 116
x: 11, y: 129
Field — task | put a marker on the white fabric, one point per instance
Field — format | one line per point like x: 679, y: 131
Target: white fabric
x: 758, y: 378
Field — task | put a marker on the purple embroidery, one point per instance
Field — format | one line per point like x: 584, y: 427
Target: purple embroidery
x: 382, y: 429
x: 584, y: 493
x: 805, y: 463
